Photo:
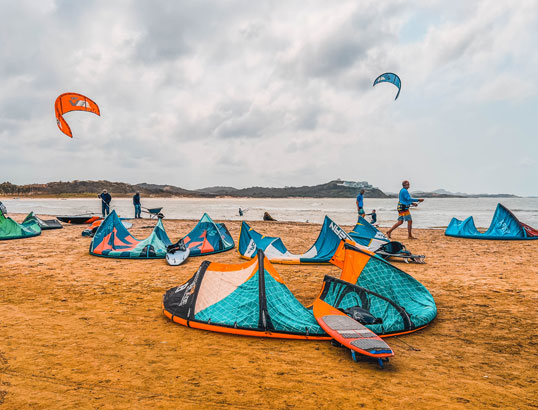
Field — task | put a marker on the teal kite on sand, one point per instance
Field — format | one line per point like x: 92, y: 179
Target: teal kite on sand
x: 113, y: 240
x: 504, y: 225
x: 44, y: 224
x: 366, y: 235
x: 9, y: 229
x: 252, y: 299
x: 321, y: 252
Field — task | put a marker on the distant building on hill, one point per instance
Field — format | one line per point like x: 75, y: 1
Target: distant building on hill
x: 355, y: 184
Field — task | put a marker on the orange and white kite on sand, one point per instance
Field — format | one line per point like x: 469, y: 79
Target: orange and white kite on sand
x: 72, y: 102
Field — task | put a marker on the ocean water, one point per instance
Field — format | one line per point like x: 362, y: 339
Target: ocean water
x: 432, y: 213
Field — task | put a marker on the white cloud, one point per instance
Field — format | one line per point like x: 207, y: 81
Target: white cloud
x: 251, y: 93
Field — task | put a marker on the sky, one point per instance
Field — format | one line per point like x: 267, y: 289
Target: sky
x: 266, y: 93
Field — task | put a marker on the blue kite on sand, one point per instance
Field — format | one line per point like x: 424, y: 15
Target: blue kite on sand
x: 504, y: 225
x: 366, y: 235
x: 321, y: 252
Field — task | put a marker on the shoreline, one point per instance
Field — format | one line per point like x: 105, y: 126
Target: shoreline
x: 432, y: 214
x: 126, y: 196
x: 20, y: 216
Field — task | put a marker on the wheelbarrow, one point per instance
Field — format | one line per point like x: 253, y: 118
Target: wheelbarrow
x: 153, y: 212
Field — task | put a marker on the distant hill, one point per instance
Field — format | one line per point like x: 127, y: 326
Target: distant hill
x: 332, y: 189
x: 464, y: 195
x: 441, y: 193
x: 435, y: 194
x: 445, y: 192
x: 170, y: 190
x: 217, y: 190
x: 92, y: 188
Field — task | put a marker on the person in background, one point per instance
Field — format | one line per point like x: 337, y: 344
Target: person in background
x: 360, y: 203
x: 373, y: 215
x: 137, y: 206
x: 240, y: 212
x: 404, y: 202
x: 3, y: 208
x: 105, y: 202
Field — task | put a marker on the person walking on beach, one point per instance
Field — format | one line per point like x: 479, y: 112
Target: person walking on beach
x: 360, y: 203
x: 137, y: 206
x: 404, y: 202
x: 105, y: 202
x: 3, y: 208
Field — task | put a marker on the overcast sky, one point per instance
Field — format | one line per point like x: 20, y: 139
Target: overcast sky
x: 272, y: 93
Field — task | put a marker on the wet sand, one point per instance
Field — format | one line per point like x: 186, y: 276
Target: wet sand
x: 78, y: 331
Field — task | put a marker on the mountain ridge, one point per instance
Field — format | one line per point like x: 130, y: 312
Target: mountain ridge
x: 331, y: 189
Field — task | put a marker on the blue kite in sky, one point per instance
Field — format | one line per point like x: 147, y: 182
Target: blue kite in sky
x: 389, y: 78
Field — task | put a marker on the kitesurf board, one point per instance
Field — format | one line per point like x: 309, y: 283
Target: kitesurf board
x: 178, y: 257
x: 350, y: 333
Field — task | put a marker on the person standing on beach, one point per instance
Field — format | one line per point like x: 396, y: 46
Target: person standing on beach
x: 105, y: 202
x: 3, y: 208
x: 360, y: 203
x: 373, y: 215
x: 137, y: 205
x: 404, y: 202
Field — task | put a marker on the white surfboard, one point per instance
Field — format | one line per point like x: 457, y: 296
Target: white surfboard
x: 177, y: 257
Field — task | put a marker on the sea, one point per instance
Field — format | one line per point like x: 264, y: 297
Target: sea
x: 433, y: 213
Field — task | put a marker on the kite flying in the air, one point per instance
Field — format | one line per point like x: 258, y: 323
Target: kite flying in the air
x: 72, y: 102
x: 390, y: 78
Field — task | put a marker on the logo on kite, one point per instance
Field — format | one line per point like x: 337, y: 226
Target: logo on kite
x: 72, y: 102
x: 77, y: 102
x: 389, y: 78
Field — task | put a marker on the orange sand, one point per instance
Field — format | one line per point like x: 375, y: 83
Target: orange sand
x: 78, y: 331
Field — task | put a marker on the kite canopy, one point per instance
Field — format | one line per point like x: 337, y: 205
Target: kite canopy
x: 72, y: 102
x: 321, y: 252
x: 207, y: 237
x: 367, y: 235
x: 9, y: 229
x: 112, y: 239
x: 504, y: 225
x: 43, y: 224
x: 251, y: 298
x: 248, y: 299
x: 387, y: 292
x: 389, y: 78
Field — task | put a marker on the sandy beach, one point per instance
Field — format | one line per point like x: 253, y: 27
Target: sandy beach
x: 78, y: 331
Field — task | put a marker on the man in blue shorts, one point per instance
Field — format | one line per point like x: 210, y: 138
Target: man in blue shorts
x: 404, y: 202
x: 360, y: 203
